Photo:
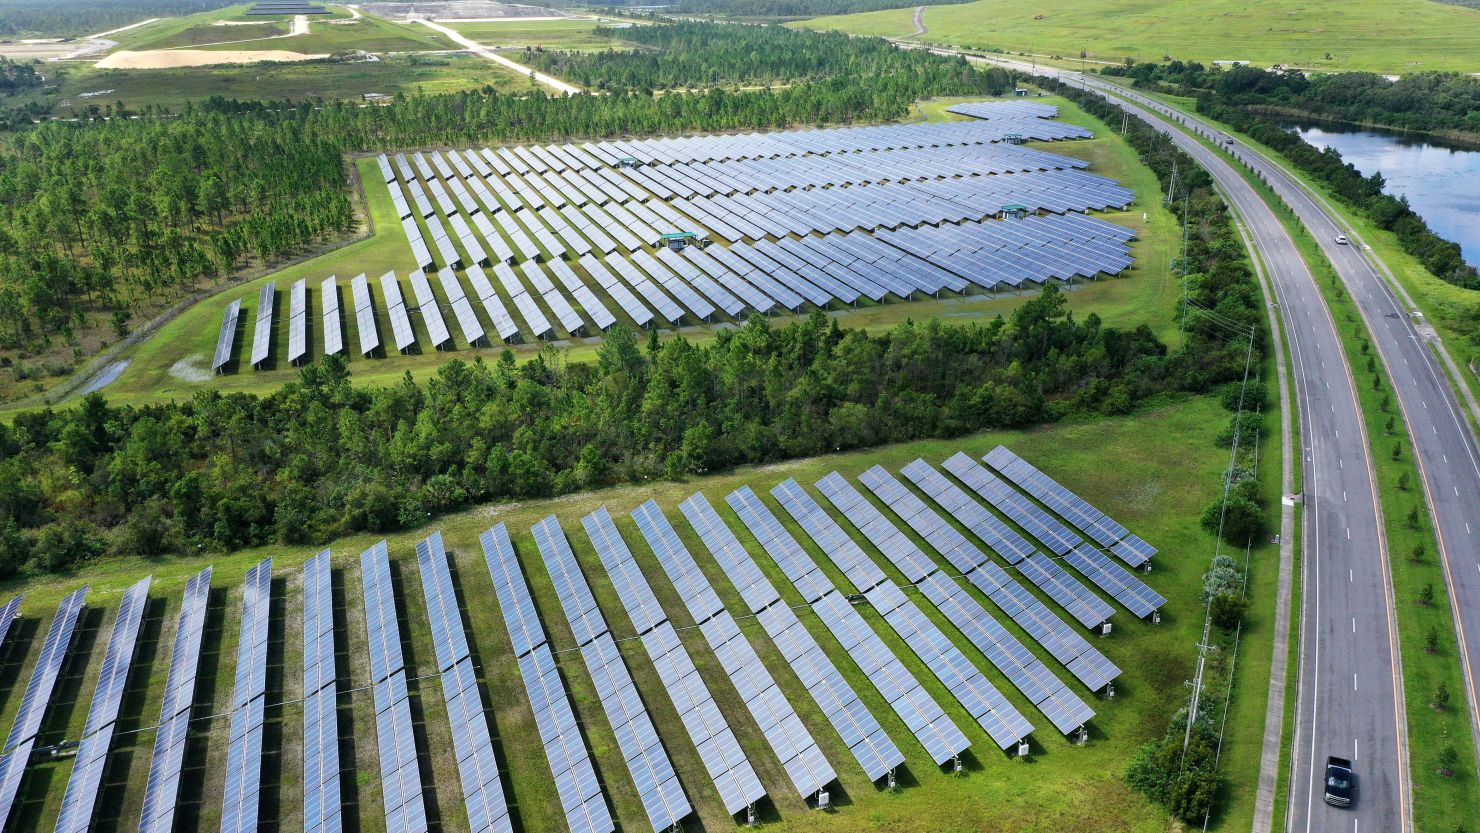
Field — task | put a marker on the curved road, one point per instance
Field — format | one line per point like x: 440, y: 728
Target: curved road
x: 1350, y: 700
x: 1447, y: 453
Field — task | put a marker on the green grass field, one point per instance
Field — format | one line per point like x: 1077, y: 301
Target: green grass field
x: 322, y: 79
x: 514, y: 33
x: 1154, y: 471
x: 331, y: 33
x: 175, y: 361
x: 1394, y: 37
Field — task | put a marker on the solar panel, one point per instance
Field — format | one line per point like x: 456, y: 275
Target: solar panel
x: 81, y: 796
x: 321, y: 789
x: 1115, y: 580
x: 365, y: 315
x: 1011, y: 503
x: 467, y: 320
x: 483, y: 794
x: 239, y: 797
x: 400, y: 775
x: 395, y: 306
x: 503, y: 323
x: 163, y: 786
x: 720, y: 752
x: 575, y: 779
x: 1065, y: 710
x: 48, y: 667
x: 935, y: 731
x: 1001, y: 720
x: 329, y: 302
x: 1066, y: 646
x: 226, y: 340
x: 431, y: 312
x: 788, y: 737
x: 8, y: 614
x: 1099, y: 526
x: 652, y: 771
x: 298, y: 321
x: 869, y: 743
x: 262, y: 332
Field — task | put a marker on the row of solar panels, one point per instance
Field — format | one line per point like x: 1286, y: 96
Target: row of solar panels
x: 827, y: 141
x: 642, y: 751
x: 747, y: 176
x: 1010, y: 109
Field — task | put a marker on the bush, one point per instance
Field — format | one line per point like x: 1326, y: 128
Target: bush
x: 1254, y: 395
x: 1184, y: 786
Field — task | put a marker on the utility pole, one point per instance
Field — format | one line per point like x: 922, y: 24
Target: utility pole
x: 1197, y: 685
x: 1184, y: 269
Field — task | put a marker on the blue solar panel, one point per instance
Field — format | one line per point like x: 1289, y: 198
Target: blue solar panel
x: 81, y: 795
x: 651, y: 769
x: 924, y: 717
x: 869, y: 743
x: 8, y: 614
x: 982, y: 700
x: 723, y: 758
x: 570, y: 764
x: 1064, y: 709
x: 400, y: 774
x: 239, y: 800
x: 321, y: 789
x: 799, y: 754
x: 163, y: 787
x: 483, y: 794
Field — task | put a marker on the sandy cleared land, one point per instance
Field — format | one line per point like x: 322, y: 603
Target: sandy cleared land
x: 101, y: 35
x: 176, y: 58
x: 484, y: 52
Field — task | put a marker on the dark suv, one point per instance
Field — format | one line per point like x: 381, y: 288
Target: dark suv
x: 1339, y: 782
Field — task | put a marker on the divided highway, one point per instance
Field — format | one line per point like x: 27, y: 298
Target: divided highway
x: 1350, y: 700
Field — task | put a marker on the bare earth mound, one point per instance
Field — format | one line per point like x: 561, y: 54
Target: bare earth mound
x: 175, y: 58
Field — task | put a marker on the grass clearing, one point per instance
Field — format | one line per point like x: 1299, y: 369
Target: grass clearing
x: 161, y: 364
x: 1154, y: 471
x: 1357, y: 35
x: 575, y: 34
x: 390, y: 75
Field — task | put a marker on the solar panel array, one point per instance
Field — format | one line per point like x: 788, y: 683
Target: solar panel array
x: 1001, y: 720
x: 400, y: 775
x: 467, y: 320
x: 8, y: 614
x: 1027, y: 673
x: 163, y: 787
x: 652, y: 771
x: 262, y: 333
x: 226, y: 340
x: 1115, y: 580
x: 1016, y: 110
x: 723, y: 759
x: 483, y: 794
x: 395, y: 307
x: 1083, y: 660
x: 431, y: 313
x: 321, y: 792
x: 784, y: 731
x: 239, y: 797
x: 298, y: 321
x: 575, y: 778
x: 1073, y: 508
x: 855, y: 724
x: 81, y: 796
x: 915, y: 707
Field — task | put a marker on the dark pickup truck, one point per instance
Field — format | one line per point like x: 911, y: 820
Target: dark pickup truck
x: 1339, y: 781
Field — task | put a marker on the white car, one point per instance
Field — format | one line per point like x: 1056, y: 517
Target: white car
x: 1341, y: 239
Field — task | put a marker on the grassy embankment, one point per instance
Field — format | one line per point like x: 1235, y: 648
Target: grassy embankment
x: 1358, y: 35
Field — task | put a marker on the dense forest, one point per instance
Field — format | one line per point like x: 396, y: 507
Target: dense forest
x: 782, y: 8
x: 691, y: 54
x: 88, y: 17
x: 322, y: 458
x: 17, y: 77
x: 1234, y: 97
x: 103, y: 214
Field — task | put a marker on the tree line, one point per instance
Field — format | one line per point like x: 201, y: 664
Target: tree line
x: 86, y: 17
x: 780, y: 8
x: 1233, y: 97
x: 109, y: 213
x: 321, y: 457
x: 691, y: 54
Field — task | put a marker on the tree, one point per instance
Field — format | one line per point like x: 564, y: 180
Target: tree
x: 1448, y: 759
x: 1441, y: 697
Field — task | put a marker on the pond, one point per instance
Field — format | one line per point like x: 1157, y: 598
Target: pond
x: 1441, y: 182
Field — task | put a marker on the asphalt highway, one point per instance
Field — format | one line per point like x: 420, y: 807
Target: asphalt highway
x: 1350, y: 691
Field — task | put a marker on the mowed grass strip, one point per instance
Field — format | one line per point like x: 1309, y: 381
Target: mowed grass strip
x: 1153, y: 471
x: 1357, y: 35
x: 573, y: 35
